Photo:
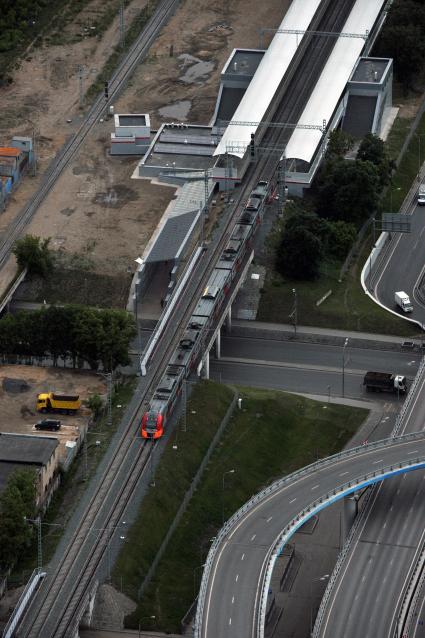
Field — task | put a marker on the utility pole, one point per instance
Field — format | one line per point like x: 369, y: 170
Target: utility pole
x: 184, y: 406
x: 110, y: 387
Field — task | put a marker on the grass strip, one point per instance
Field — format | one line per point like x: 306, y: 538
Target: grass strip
x: 347, y: 308
x: 274, y: 434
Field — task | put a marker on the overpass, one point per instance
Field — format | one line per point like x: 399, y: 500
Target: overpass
x: 235, y: 583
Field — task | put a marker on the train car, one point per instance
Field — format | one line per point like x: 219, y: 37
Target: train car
x: 189, y: 351
x: 169, y: 388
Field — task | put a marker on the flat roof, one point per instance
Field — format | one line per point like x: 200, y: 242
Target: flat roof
x: 132, y: 120
x: 268, y: 76
x: 27, y: 449
x: 243, y: 62
x: 370, y: 70
x: 331, y: 84
x: 172, y: 237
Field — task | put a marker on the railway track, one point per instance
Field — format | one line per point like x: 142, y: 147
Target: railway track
x: 66, y: 585
x: 68, y: 151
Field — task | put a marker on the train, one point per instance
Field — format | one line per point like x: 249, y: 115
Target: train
x: 190, y: 348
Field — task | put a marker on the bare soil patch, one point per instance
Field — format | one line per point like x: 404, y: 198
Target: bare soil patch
x: 19, y: 386
x: 95, y: 209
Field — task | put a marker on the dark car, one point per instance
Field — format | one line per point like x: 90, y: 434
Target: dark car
x: 48, y: 424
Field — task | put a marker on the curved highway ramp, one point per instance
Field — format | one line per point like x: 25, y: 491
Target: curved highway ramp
x: 233, y: 595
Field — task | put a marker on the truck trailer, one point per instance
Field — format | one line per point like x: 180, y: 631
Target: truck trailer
x: 385, y: 382
x: 403, y: 300
x: 53, y: 402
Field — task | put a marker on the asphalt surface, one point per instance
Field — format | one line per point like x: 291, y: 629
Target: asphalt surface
x: 381, y: 557
x: 307, y: 367
x: 233, y: 584
x: 402, y: 267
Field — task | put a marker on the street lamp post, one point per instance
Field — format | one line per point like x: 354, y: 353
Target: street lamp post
x: 343, y: 366
x: 314, y: 580
x: 295, y: 311
x: 222, y: 493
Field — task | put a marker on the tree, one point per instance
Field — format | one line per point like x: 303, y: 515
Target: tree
x: 340, y: 237
x: 299, y: 253
x: 16, y: 502
x: 402, y: 38
x: 339, y: 143
x: 372, y: 149
x: 348, y: 190
x: 95, y: 404
x: 33, y: 253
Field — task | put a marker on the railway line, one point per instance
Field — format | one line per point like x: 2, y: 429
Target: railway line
x: 68, y: 151
x: 65, y: 588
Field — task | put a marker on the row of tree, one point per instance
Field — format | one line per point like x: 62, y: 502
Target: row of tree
x: 17, y: 502
x: 98, y: 337
x: 345, y: 194
x: 403, y: 39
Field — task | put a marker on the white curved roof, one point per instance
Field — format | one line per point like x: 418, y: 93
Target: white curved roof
x: 268, y: 76
x: 328, y: 90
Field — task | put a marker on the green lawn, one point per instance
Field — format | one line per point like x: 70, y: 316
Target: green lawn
x: 274, y: 434
x: 347, y: 308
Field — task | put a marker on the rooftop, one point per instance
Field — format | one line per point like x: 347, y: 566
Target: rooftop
x: 9, y: 151
x: 132, y: 120
x: 27, y: 450
x: 243, y: 62
x: 369, y: 70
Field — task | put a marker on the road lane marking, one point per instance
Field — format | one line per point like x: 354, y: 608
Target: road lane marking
x: 236, y: 579
x: 233, y: 599
x: 243, y: 556
x: 269, y: 519
x: 343, y: 473
x: 378, y: 461
x: 253, y: 537
x: 315, y: 487
x: 230, y: 621
x: 294, y: 499
x: 414, y: 452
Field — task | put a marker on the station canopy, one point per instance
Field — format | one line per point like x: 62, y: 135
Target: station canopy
x: 333, y: 80
x: 268, y: 76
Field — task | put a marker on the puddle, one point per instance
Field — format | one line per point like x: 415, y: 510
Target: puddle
x: 178, y: 110
x: 197, y: 70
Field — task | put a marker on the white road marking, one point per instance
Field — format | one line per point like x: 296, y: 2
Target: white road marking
x: 253, y: 537
x: 414, y: 452
x: 294, y: 499
x: 269, y: 519
x: 230, y: 621
x: 378, y: 461
x: 315, y: 487
x: 233, y: 599
x: 243, y: 556
x: 236, y: 579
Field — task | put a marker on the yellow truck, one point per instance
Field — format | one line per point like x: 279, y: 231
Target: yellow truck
x: 53, y: 402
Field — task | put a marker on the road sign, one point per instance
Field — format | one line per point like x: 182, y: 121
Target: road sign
x: 396, y: 223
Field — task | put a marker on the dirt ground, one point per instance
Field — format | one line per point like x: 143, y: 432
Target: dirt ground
x: 95, y: 209
x: 19, y: 386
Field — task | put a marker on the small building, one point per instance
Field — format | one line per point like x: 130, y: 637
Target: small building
x: 40, y: 453
x: 132, y: 134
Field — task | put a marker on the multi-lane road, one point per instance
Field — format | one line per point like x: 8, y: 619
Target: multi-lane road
x: 402, y: 266
x: 309, y: 368
x: 236, y: 573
